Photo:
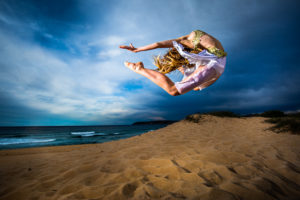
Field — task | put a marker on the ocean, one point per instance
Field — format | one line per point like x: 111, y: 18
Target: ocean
x: 38, y: 136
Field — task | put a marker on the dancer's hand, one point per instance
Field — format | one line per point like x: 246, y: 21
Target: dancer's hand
x: 129, y: 48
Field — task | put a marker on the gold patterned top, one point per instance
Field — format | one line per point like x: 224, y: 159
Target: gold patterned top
x: 218, y: 52
x: 196, y: 40
x: 214, y: 50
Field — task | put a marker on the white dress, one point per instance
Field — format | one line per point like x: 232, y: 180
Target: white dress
x: 214, y: 68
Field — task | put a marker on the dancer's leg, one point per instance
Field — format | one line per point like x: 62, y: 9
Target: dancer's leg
x: 158, y: 78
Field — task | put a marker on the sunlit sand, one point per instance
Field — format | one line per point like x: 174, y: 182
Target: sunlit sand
x: 217, y: 158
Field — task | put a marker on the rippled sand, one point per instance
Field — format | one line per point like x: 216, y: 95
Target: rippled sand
x: 218, y: 158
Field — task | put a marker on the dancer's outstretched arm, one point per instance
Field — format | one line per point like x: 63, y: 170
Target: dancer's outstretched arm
x: 185, y: 40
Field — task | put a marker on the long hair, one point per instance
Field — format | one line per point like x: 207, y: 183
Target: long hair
x: 172, y: 60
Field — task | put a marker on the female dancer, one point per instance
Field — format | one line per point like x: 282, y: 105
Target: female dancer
x: 198, y: 56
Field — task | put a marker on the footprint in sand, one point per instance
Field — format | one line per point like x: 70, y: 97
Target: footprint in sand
x: 128, y: 189
x: 212, y: 178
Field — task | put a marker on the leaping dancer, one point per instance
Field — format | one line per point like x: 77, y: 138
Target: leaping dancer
x: 198, y: 56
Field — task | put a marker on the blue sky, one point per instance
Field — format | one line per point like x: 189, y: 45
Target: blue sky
x: 60, y: 63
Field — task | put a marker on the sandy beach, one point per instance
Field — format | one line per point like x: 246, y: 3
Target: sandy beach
x: 217, y: 158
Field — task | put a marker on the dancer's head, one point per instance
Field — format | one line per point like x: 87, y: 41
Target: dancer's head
x: 172, y: 60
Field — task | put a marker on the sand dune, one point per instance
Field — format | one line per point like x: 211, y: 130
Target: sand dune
x: 218, y: 158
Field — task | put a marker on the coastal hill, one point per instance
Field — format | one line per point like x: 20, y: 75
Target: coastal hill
x: 214, y: 156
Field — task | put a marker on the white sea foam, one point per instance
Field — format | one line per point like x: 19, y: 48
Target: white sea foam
x: 101, y: 134
x: 84, y: 134
x: 87, y: 134
x: 8, y: 141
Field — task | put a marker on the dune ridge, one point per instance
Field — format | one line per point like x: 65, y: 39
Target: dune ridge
x: 216, y: 158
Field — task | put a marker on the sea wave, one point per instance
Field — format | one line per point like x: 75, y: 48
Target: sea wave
x: 8, y: 141
x: 87, y: 134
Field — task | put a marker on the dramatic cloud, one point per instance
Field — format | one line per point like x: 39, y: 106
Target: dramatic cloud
x: 60, y: 62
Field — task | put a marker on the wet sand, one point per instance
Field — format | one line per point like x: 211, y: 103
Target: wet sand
x: 217, y: 158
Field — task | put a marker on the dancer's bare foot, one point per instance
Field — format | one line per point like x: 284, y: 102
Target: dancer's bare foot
x: 136, y: 67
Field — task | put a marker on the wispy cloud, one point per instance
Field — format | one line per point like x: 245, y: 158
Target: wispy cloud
x: 80, y: 88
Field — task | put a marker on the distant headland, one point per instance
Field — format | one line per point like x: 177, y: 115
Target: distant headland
x: 154, y: 122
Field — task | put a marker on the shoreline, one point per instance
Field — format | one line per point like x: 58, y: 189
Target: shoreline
x: 70, y: 145
x: 217, y: 158
x: 58, y: 136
